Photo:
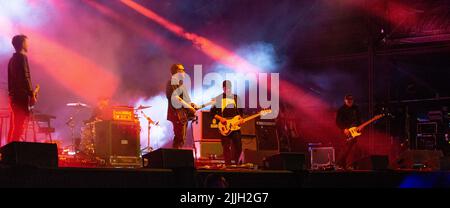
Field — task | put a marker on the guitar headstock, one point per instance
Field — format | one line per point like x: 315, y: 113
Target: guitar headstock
x: 387, y: 114
x: 265, y: 112
x: 383, y: 115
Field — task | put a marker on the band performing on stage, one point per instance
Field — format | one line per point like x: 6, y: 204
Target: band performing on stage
x: 298, y: 93
x: 108, y: 123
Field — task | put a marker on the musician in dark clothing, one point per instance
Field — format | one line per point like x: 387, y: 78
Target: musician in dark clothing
x: 177, y: 94
x: 347, y: 116
x: 20, y: 90
x: 226, y: 106
x: 102, y: 111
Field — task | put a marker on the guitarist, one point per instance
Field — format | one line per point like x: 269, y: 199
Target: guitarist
x: 227, y: 107
x: 347, y: 116
x: 177, y: 93
x: 21, y: 94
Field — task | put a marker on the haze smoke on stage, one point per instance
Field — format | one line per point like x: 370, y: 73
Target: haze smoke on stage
x: 160, y: 135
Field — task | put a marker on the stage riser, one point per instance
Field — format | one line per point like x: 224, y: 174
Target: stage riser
x: 166, y: 178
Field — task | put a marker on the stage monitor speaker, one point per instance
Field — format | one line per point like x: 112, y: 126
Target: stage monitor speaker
x: 41, y: 155
x: 267, y: 138
x: 117, y: 138
x: 286, y: 161
x: 256, y: 157
x: 169, y: 158
x: 373, y: 162
x: 209, y: 149
x: 445, y: 163
x: 420, y: 159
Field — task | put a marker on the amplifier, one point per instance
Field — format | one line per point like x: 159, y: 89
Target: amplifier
x: 123, y: 113
x: 321, y: 157
x: 266, y: 123
x: 209, y: 126
x: 426, y: 142
x: 117, y: 138
x: 209, y: 149
x: 267, y: 138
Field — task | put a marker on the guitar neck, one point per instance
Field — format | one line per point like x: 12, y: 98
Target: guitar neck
x: 207, y: 104
x: 368, y: 122
x: 251, y: 117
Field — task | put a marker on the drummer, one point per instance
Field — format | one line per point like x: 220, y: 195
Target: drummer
x: 102, y: 111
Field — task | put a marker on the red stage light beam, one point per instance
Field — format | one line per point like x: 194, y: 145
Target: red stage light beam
x: 305, y: 104
x: 288, y: 92
x: 295, y: 96
x: 73, y: 71
x: 211, y: 49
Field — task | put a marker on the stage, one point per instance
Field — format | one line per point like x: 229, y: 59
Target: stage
x: 237, y: 94
x: 237, y: 178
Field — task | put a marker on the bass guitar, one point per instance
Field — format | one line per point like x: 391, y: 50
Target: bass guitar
x: 356, y: 131
x: 234, y: 124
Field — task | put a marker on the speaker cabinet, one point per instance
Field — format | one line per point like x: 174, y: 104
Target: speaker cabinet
x: 209, y: 149
x: 267, y: 138
x: 419, y: 159
x: 256, y: 157
x: 209, y: 126
x: 42, y: 155
x: 373, y: 162
x: 117, y: 138
x: 286, y: 161
x: 445, y: 163
x: 169, y: 158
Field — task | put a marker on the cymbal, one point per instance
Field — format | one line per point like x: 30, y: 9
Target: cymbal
x: 77, y: 105
x: 141, y: 107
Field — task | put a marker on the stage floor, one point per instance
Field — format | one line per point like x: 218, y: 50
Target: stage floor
x: 236, y: 178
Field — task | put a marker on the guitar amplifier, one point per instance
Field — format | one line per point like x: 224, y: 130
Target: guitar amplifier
x: 209, y: 126
x: 209, y: 149
x: 123, y: 113
x: 322, y: 157
x: 267, y: 136
x: 117, y: 141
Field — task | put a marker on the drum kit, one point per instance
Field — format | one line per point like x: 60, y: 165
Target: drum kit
x: 86, y: 143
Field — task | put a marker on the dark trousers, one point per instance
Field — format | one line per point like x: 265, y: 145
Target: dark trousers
x: 232, y: 147
x: 179, y: 130
x: 346, y: 153
x: 20, y: 113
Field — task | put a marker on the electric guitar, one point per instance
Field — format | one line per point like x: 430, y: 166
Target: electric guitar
x: 235, y: 123
x: 188, y: 111
x: 35, y: 95
x: 354, y: 132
